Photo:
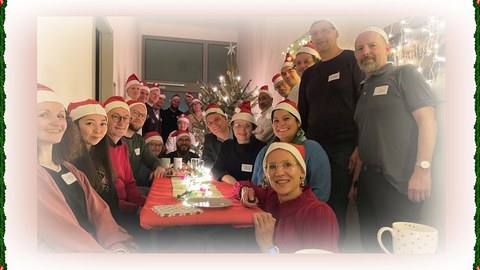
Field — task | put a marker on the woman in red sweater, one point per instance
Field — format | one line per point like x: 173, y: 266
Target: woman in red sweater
x: 294, y: 218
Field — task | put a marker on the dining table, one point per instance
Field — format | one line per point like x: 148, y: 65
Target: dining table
x: 195, y: 227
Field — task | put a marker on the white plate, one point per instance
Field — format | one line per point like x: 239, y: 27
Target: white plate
x: 209, y: 202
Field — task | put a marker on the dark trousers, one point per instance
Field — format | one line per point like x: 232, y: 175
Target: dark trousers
x: 379, y: 204
x: 339, y: 156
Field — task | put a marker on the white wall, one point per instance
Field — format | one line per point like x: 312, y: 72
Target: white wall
x: 65, y: 56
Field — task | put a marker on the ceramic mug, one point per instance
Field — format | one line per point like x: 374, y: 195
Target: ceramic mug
x: 196, y: 163
x: 410, y: 238
x: 165, y: 162
x: 177, y: 163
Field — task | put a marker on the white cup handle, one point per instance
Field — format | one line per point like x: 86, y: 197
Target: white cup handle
x: 379, y: 237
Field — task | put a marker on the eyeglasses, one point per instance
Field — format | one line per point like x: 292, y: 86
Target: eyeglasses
x: 157, y: 145
x: 139, y: 114
x: 117, y: 118
x: 245, y: 126
x: 286, y: 165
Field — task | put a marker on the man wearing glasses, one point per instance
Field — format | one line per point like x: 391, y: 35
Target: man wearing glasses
x: 327, y: 101
x: 138, y: 152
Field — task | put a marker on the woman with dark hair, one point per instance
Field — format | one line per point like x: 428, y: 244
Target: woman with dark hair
x: 72, y: 217
x: 286, y: 124
x: 89, y: 125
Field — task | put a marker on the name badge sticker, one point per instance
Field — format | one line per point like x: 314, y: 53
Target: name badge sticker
x: 380, y: 90
x: 247, y: 167
x: 69, y: 178
x: 137, y: 151
x: 334, y: 76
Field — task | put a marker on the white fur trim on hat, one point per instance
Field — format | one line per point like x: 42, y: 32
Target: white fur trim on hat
x: 183, y: 119
x: 215, y: 110
x: 309, y: 51
x: 243, y: 116
x: 130, y: 83
x: 377, y: 30
x: 87, y: 109
x: 116, y: 104
x: 44, y: 96
x: 287, y: 147
x: 289, y: 108
x: 154, y: 138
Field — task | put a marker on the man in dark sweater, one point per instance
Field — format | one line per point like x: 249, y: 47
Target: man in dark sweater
x: 217, y: 123
x: 169, y: 117
x: 327, y: 99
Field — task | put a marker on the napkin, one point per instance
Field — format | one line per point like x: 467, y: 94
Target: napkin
x: 175, y: 210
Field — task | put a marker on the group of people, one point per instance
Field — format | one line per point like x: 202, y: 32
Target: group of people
x: 351, y: 127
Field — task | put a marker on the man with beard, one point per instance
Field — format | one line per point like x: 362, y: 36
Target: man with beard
x: 327, y: 99
x: 170, y: 116
x: 395, y: 115
x: 183, y: 147
x: 138, y: 152
x: 264, y: 131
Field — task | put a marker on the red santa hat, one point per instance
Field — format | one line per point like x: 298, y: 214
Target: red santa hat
x: 152, y: 136
x: 310, y: 49
x: 288, y: 106
x: 180, y: 133
x: 155, y: 86
x: 243, y: 111
x: 188, y: 94
x: 115, y: 102
x: 131, y: 103
x: 264, y: 89
x: 45, y: 93
x: 289, y: 59
x: 213, y: 108
x: 277, y: 78
x: 80, y: 109
x: 132, y: 80
x: 298, y: 151
x: 183, y: 118
x: 144, y: 86
x: 196, y: 100
x: 176, y: 96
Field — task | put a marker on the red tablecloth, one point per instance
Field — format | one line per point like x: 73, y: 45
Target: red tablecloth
x: 161, y: 194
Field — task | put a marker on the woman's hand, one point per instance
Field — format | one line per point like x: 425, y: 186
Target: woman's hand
x: 264, y: 229
x: 248, y: 198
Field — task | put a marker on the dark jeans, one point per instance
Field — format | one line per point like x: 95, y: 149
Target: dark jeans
x: 379, y: 204
x: 339, y: 156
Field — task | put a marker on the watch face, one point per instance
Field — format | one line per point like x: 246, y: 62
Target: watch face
x: 273, y: 250
x: 425, y: 164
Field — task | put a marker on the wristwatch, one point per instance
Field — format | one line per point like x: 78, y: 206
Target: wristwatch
x: 273, y: 250
x: 423, y: 164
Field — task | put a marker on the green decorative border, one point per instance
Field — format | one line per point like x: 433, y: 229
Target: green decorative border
x: 476, y: 264
x: 3, y: 263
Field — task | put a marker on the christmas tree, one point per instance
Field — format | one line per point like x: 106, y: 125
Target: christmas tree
x: 228, y: 94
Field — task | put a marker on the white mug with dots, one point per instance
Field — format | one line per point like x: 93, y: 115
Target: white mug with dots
x: 410, y: 238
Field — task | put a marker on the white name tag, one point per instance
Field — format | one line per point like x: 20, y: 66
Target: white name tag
x: 137, y: 151
x: 380, y: 90
x: 334, y: 76
x: 247, y: 168
x: 69, y: 178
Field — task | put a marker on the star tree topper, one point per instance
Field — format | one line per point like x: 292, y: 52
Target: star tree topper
x: 231, y: 49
